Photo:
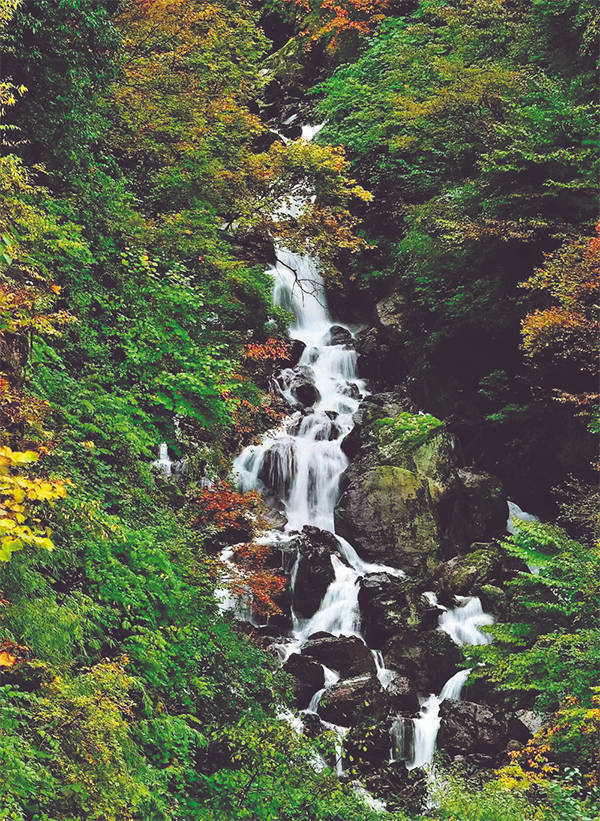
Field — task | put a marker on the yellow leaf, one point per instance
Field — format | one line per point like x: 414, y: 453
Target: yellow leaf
x: 6, y: 659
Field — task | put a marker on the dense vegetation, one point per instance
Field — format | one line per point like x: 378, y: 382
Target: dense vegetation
x: 138, y: 184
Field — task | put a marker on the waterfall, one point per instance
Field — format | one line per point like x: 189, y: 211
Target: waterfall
x: 516, y: 515
x: 164, y: 462
x: 302, y: 460
x: 425, y: 730
x: 300, y: 464
x: 453, y: 687
x: 462, y: 623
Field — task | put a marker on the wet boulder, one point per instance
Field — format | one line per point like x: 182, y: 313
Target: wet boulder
x: 467, y: 728
x: 403, y: 695
x: 367, y: 745
x: 318, y: 425
x: 468, y: 573
x: 347, y: 655
x: 386, y: 512
x: 338, y: 335
x: 389, y: 605
x: 353, y: 700
x: 351, y: 389
x: 308, y: 675
x: 297, y: 348
x: 402, y: 790
x: 315, y: 571
x: 351, y: 442
x: 524, y: 724
x: 428, y: 658
x: 402, y: 501
x: 313, y: 726
x: 300, y: 383
x: 486, y: 503
x: 278, y: 467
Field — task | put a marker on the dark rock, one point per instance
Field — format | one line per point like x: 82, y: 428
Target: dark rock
x: 296, y: 350
x: 313, y: 727
x: 350, y: 701
x: 368, y: 745
x: 299, y: 381
x: 278, y: 466
x: 428, y: 658
x: 524, y: 724
x: 281, y: 621
x: 276, y: 519
x: 315, y: 571
x: 401, y: 789
x: 347, y: 655
x: 376, y: 361
x: 351, y: 389
x: 467, y: 727
x: 309, y: 677
x: 390, y: 605
x: 265, y: 140
x: 351, y: 442
x: 486, y: 502
x: 338, y: 335
x: 467, y: 574
x: 403, y: 695
x: 322, y: 426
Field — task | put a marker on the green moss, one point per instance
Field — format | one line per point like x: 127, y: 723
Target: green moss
x: 411, y: 428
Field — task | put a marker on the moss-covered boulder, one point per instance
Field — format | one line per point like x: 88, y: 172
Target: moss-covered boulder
x: 402, y: 499
x: 387, y: 513
x: 468, y: 574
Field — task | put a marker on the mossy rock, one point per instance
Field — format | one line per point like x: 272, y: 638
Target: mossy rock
x: 388, y: 515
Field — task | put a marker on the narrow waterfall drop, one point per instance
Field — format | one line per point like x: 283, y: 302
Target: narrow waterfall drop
x: 164, y: 462
x: 462, y: 623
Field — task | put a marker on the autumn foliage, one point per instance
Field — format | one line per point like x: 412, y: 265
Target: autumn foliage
x: 569, y: 329
x: 270, y: 351
x: 224, y: 507
x: 252, y: 581
x: 238, y: 515
x: 329, y: 20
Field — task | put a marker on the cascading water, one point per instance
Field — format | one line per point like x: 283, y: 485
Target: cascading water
x: 164, y: 462
x: 462, y: 623
x: 300, y: 463
x: 516, y: 515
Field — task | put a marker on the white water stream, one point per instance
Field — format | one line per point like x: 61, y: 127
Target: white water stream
x: 300, y: 464
x: 415, y: 744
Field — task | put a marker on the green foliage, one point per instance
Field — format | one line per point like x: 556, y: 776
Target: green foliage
x: 64, y: 53
x: 549, y: 648
x: 473, y: 125
x: 499, y: 800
